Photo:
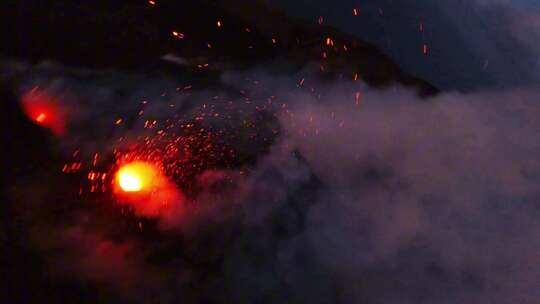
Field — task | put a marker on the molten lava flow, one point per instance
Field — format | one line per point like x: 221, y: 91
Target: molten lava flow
x: 137, y: 176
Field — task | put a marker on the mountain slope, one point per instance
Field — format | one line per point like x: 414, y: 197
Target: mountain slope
x: 135, y: 34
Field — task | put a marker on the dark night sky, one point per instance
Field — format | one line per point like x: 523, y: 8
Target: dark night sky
x: 473, y: 44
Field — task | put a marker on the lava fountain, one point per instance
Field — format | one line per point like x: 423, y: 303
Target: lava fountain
x: 144, y: 186
x: 138, y: 177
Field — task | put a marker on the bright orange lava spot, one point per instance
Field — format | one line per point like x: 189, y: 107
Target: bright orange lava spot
x: 129, y: 181
x: 137, y: 176
x: 41, y: 117
x: 45, y: 110
x: 143, y: 186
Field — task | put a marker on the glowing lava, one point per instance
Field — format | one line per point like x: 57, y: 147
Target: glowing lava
x: 137, y: 176
x: 143, y: 186
x: 45, y: 110
x: 129, y: 181
x: 41, y: 117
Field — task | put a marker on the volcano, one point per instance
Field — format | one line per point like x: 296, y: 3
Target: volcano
x: 136, y: 35
x: 160, y: 83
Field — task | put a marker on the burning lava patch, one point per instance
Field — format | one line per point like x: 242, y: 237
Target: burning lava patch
x: 144, y: 187
x: 45, y: 110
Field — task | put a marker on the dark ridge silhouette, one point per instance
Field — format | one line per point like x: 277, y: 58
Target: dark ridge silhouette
x: 136, y: 34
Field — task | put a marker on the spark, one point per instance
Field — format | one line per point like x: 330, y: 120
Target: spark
x: 41, y: 117
x: 178, y: 35
x: 329, y: 41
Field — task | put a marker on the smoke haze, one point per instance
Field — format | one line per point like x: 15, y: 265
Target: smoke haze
x: 350, y: 194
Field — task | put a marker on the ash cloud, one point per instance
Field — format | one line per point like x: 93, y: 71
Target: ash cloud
x: 381, y: 197
x: 506, y: 34
x: 428, y: 201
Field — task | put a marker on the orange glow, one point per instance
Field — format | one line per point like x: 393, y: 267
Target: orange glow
x: 178, y: 35
x: 329, y: 41
x: 137, y: 176
x: 143, y: 186
x: 130, y: 181
x: 44, y: 110
x: 41, y: 117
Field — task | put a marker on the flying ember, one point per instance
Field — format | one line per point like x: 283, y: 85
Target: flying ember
x: 41, y: 117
